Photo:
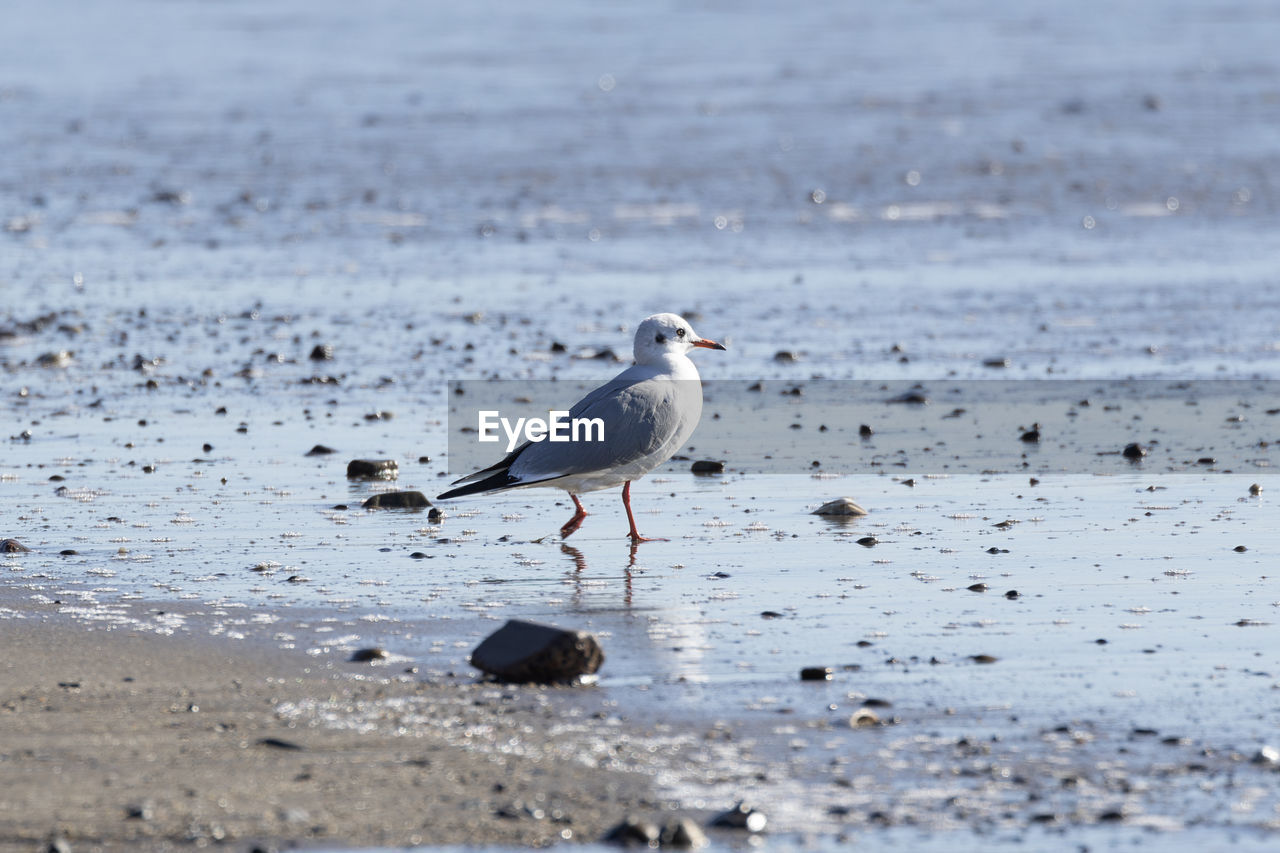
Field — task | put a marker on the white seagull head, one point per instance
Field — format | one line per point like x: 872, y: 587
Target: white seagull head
x: 667, y: 334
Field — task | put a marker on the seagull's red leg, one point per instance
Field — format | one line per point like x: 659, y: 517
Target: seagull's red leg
x: 635, y: 534
x: 574, y: 523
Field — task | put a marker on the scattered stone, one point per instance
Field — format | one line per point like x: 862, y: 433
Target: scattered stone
x: 634, y: 830
x: 741, y: 816
x: 139, y: 811
x: 865, y: 431
x: 816, y: 673
x: 684, y: 834
x: 69, y: 552
x: 397, y: 500
x: 868, y: 541
x: 379, y: 415
x: 61, y: 358
x: 525, y: 652
x: 1240, y: 549
x: 994, y: 550
x: 13, y: 546
x: 373, y: 469
x: 846, y: 507
x: 770, y: 614
x: 1133, y: 450
x: 1268, y: 755
x: 977, y: 587
x: 368, y: 655
x: 434, y: 514
x: 1255, y: 490
x: 708, y: 466
x: 862, y: 718
x: 913, y: 398
x: 277, y: 743
x: 322, y: 352
x: 320, y: 450
x: 1032, y: 435
x: 784, y: 356
x: 1011, y: 594
x: 983, y: 658
x: 999, y: 361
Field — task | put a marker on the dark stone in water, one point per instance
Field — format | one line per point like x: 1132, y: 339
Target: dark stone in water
x: 368, y: 655
x: 373, y: 469
x: 977, y: 587
x: 865, y: 431
x: 816, y: 673
x: 321, y: 450
x: 1240, y: 549
x: 434, y: 514
x: 397, y: 500
x: 1032, y: 435
x: 1011, y: 594
x: 13, y: 546
x: 524, y: 652
x: 69, y: 552
x: 741, y: 816
x: 1133, y: 450
x: 868, y: 541
x: 634, y: 830
x: 708, y: 466
x: 322, y: 352
x: 684, y: 834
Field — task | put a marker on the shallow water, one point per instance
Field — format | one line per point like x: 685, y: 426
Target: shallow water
x: 899, y: 193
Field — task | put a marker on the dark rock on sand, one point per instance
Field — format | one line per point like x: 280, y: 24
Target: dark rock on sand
x: 277, y: 743
x: 1255, y: 490
x: 816, y: 673
x: 373, y: 469
x: 12, y: 546
x: 1032, y: 435
x: 321, y: 450
x: 368, y: 655
x: 528, y: 652
x: 322, y: 352
x: 708, y: 466
x: 741, y: 816
x: 868, y: 541
x: 864, y: 431
x: 397, y: 500
x: 634, y: 830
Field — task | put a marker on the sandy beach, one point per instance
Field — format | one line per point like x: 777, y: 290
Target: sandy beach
x: 126, y: 740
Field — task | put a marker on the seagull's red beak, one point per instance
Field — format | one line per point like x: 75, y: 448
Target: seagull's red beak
x: 706, y: 344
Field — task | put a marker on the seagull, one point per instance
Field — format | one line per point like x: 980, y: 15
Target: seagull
x: 649, y: 411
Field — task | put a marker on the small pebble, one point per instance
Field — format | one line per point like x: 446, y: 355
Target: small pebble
x: 1255, y: 490
x: 368, y: 655
x: 840, y: 507
x: 708, y: 466
x: 816, y: 673
x: 1133, y: 451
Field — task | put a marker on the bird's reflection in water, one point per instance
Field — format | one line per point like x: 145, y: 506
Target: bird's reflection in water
x: 580, y: 569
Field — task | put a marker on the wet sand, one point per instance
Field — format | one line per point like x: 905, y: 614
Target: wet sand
x: 127, y: 740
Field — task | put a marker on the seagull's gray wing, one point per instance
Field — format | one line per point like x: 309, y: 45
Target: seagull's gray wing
x: 640, y: 418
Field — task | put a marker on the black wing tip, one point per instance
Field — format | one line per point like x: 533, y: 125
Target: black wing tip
x: 500, y: 480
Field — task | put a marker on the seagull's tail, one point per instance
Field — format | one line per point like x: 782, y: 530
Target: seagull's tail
x: 501, y: 480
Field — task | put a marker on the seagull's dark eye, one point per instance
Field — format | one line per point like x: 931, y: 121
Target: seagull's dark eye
x: 661, y: 338
x: 679, y: 333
